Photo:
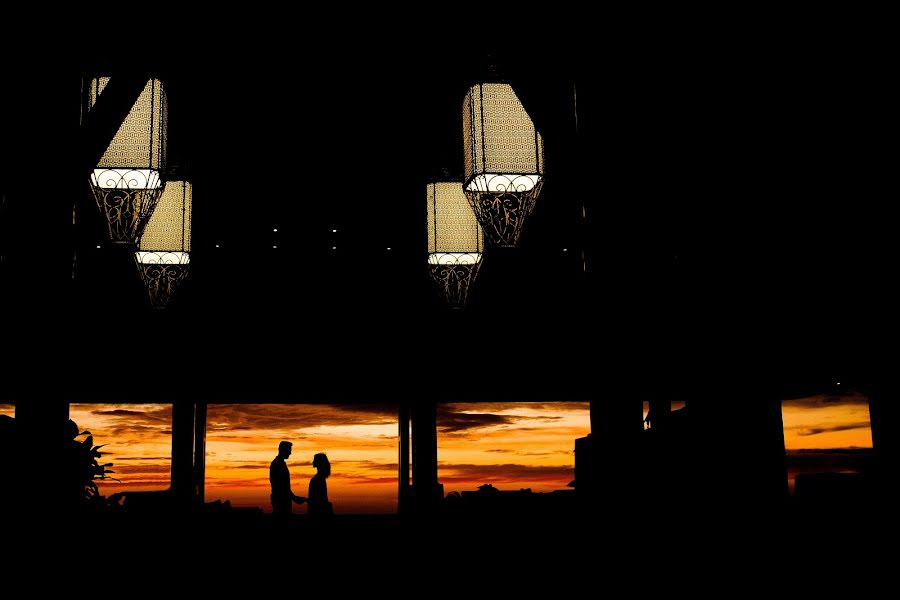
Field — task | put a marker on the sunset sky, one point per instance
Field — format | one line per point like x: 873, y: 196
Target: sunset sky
x: 829, y: 432
x: 512, y: 446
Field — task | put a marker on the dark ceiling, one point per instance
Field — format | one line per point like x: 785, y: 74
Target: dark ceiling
x: 726, y: 194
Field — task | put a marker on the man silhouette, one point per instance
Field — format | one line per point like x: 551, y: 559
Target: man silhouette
x: 280, y: 478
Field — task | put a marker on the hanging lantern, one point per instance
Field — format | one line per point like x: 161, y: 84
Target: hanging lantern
x: 504, y: 161
x: 164, y: 250
x: 455, y: 241
x: 127, y: 181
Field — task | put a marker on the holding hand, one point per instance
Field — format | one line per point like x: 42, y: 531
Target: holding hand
x: 299, y: 499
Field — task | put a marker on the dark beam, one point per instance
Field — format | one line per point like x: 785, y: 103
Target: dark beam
x: 427, y: 492
x: 182, y: 451
x: 200, y: 451
x: 403, y: 491
x: 106, y: 116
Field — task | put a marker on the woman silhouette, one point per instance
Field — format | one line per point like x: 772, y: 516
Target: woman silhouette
x: 318, y: 488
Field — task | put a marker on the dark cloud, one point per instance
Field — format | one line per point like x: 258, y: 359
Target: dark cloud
x: 453, y: 418
x: 154, y: 415
x: 832, y: 460
x: 520, y: 453
x: 118, y: 458
x: 452, y: 422
x: 493, y: 407
x: 288, y: 417
x: 804, y: 431
x: 831, y: 451
x: 109, y: 487
x: 367, y: 465
x: 356, y: 480
x: 510, y: 473
x: 836, y: 399
x: 132, y: 433
x: 122, y: 470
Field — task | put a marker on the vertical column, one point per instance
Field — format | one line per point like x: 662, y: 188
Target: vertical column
x: 660, y: 409
x: 200, y: 451
x: 738, y: 446
x: 182, y: 450
x: 607, y: 476
x: 883, y: 412
x: 403, y: 462
x: 40, y: 427
x: 427, y: 492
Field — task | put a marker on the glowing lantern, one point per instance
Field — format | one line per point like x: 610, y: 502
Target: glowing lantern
x: 127, y: 181
x: 164, y: 250
x: 504, y: 161
x: 455, y: 241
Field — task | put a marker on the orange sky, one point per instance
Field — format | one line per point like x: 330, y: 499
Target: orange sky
x: 827, y: 421
x: 826, y: 433
x: 512, y: 446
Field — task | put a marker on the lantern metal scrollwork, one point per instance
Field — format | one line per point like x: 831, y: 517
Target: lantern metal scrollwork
x: 164, y: 250
x: 127, y: 182
x: 504, y: 161
x: 455, y: 241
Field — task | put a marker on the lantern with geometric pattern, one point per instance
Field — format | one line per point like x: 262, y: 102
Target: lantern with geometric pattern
x: 455, y: 241
x: 164, y: 250
x: 504, y: 161
x: 127, y: 181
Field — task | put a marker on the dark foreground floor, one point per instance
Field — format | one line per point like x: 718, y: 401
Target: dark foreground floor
x: 463, y: 553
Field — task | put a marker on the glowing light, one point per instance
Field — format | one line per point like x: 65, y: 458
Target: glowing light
x: 126, y: 179
x: 169, y: 228
x: 454, y: 258
x: 502, y: 146
x: 163, y: 255
x: 503, y: 182
x: 452, y: 226
x: 163, y: 258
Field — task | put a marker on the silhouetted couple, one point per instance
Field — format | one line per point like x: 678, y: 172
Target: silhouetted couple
x: 280, y: 478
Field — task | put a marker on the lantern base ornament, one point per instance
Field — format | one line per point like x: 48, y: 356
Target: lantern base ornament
x: 502, y: 213
x: 161, y: 277
x: 454, y: 274
x: 126, y: 211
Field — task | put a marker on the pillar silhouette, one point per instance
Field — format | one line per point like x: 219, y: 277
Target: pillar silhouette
x: 403, y: 462
x: 40, y: 426
x: 606, y: 464
x: 883, y: 415
x: 737, y: 451
x: 200, y: 452
x: 427, y: 492
x: 183, y: 451
x: 660, y: 412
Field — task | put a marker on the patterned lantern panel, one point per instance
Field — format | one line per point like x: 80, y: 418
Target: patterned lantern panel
x: 455, y: 241
x: 504, y: 160
x: 163, y: 255
x: 127, y: 182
